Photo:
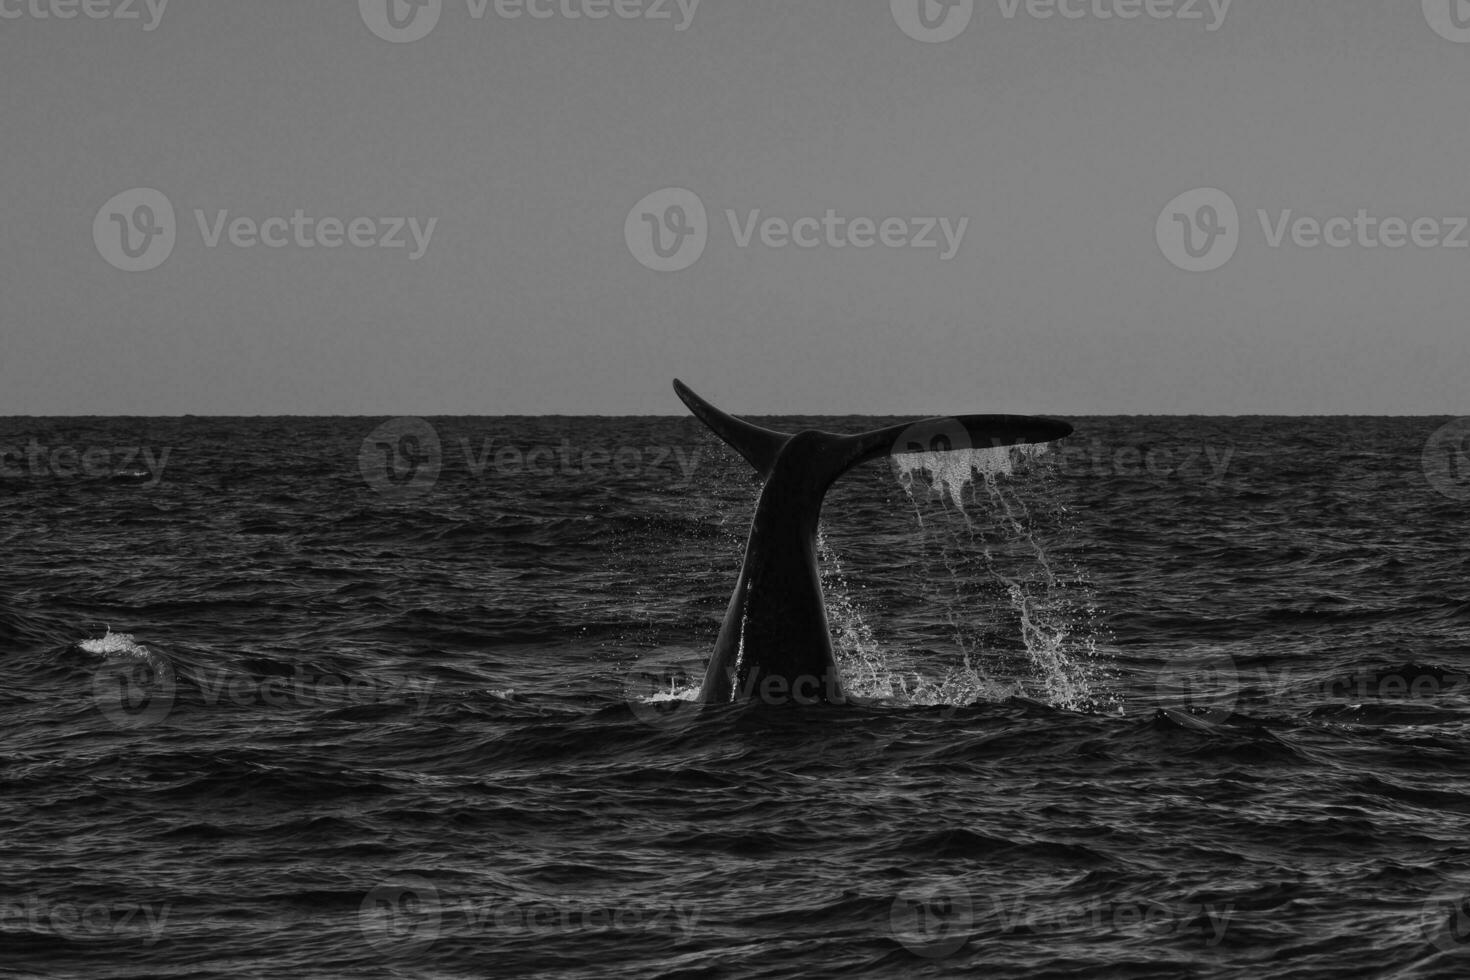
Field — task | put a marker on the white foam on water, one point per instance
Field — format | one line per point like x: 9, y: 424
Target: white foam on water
x: 116, y: 645
x: 992, y: 566
x: 952, y: 471
x: 124, y: 646
x: 868, y: 670
x: 663, y: 675
x: 687, y: 693
x: 860, y: 662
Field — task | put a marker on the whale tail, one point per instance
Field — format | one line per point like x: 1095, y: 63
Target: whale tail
x: 762, y: 447
x: 774, y: 643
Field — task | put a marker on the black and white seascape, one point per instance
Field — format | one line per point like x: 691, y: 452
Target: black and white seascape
x: 1055, y: 564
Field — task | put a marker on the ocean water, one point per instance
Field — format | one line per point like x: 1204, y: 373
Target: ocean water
x: 1181, y: 697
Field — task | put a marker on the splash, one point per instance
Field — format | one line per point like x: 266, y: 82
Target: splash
x: 950, y: 472
x: 113, y: 645
x: 862, y: 665
x: 124, y: 646
x: 871, y: 671
x: 1019, y: 613
x: 1000, y: 614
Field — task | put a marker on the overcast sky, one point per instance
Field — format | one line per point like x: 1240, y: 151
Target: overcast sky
x: 1003, y: 233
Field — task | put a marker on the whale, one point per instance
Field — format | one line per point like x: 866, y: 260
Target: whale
x: 774, y: 644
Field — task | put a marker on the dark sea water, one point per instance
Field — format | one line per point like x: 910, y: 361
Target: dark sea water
x: 1180, y: 698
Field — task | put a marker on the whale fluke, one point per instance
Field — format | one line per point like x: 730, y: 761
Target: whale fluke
x: 759, y: 446
x: 774, y: 644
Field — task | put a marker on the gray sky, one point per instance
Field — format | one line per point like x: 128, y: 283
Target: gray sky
x: 1058, y: 140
